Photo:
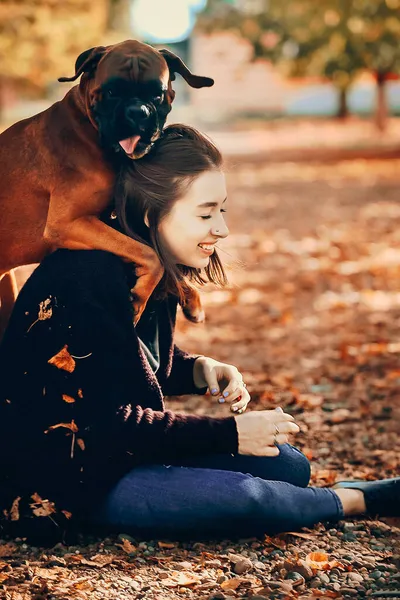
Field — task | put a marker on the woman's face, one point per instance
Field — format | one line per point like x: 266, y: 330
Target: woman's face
x: 196, y: 221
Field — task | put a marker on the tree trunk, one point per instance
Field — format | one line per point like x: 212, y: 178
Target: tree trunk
x: 381, y: 110
x: 343, y: 110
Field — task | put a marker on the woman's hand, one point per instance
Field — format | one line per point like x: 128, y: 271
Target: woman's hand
x: 224, y: 381
x: 259, y: 432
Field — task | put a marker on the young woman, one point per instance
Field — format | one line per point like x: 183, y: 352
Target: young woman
x: 85, y: 435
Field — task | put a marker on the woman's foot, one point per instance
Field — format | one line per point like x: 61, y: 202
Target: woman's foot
x: 353, y: 501
x: 380, y: 497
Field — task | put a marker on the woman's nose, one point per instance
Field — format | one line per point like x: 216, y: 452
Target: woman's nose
x: 220, y: 229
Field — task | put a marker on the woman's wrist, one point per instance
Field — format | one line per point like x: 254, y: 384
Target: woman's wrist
x: 198, y: 372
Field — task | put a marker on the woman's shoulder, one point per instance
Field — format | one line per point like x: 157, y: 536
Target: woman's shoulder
x: 92, y: 261
x: 80, y: 273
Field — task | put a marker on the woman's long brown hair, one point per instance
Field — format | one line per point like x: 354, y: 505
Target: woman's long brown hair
x: 149, y: 187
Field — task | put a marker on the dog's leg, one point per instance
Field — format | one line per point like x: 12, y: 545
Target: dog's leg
x: 191, y: 307
x: 89, y: 233
x: 8, y: 295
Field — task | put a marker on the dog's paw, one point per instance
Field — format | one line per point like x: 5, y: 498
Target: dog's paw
x: 197, y: 316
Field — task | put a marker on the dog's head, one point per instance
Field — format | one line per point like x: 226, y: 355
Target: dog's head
x: 128, y: 92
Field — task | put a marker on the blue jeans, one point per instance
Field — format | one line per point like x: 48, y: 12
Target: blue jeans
x: 219, y: 496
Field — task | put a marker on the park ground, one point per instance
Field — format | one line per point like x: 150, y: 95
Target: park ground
x: 312, y: 320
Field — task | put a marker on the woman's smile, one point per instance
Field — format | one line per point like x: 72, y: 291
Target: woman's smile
x: 207, y: 248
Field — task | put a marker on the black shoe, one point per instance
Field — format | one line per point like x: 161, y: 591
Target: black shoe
x: 382, y: 497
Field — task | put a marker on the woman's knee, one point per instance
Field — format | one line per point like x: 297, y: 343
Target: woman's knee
x: 298, y: 466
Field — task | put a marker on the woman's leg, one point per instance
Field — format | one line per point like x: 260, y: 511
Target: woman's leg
x: 185, y: 502
x: 290, y: 465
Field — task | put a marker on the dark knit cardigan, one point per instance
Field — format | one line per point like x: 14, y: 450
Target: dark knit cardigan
x: 79, y: 404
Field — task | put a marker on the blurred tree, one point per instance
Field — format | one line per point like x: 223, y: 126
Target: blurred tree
x: 40, y: 39
x: 336, y: 39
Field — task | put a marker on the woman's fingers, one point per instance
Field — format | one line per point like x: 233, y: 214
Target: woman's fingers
x: 281, y: 438
x: 285, y: 427
x: 242, y: 401
x: 269, y: 451
x: 284, y: 417
x: 233, y: 390
x: 212, y: 382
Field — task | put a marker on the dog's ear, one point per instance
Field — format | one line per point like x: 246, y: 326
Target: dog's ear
x: 176, y: 65
x: 86, y: 62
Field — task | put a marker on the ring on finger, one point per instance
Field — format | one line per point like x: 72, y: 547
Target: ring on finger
x: 276, y: 434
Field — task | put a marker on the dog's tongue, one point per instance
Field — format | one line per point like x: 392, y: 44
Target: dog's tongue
x: 130, y: 143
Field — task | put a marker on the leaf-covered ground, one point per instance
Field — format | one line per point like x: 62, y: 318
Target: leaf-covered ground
x: 312, y: 318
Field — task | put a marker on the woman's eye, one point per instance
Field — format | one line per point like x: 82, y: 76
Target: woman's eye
x: 223, y: 210
x: 206, y: 217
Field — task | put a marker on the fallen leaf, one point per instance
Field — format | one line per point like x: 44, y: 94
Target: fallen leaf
x: 14, y: 510
x: 7, y: 549
x: 127, y: 546
x: 166, y: 545
x: 71, y: 426
x: 53, y: 573
x: 394, y: 374
x: 45, y: 310
x: 66, y: 514
x: 68, y: 399
x: 308, y: 453
x: 328, y: 476
x: 81, y: 443
x: 317, y: 560
x: 326, y: 594
x: 99, y: 560
x: 309, y: 401
x: 63, y: 360
x: 304, y: 536
x: 340, y: 415
x: 232, y: 584
x: 80, y: 393
x: 275, y: 541
x: 73, y: 558
x: 40, y: 507
x: 181, y: 578
x: 83, y: 585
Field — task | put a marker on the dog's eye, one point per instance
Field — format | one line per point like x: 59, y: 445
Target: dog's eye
x: 158, y: 99
x: 110, y: 93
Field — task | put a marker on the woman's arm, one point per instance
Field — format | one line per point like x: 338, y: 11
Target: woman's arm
x: 108, y: 395
x: 181, y: 378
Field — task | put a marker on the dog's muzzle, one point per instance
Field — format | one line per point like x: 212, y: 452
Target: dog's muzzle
x: 144, y: 122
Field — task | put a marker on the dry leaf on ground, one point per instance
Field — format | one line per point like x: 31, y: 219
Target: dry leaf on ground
x: 167, y: 545
x: 127, y: 546
x: 181, y: 579
x: 232, y: 584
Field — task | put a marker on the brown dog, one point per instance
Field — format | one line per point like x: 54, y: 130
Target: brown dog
x: 57, y: 168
